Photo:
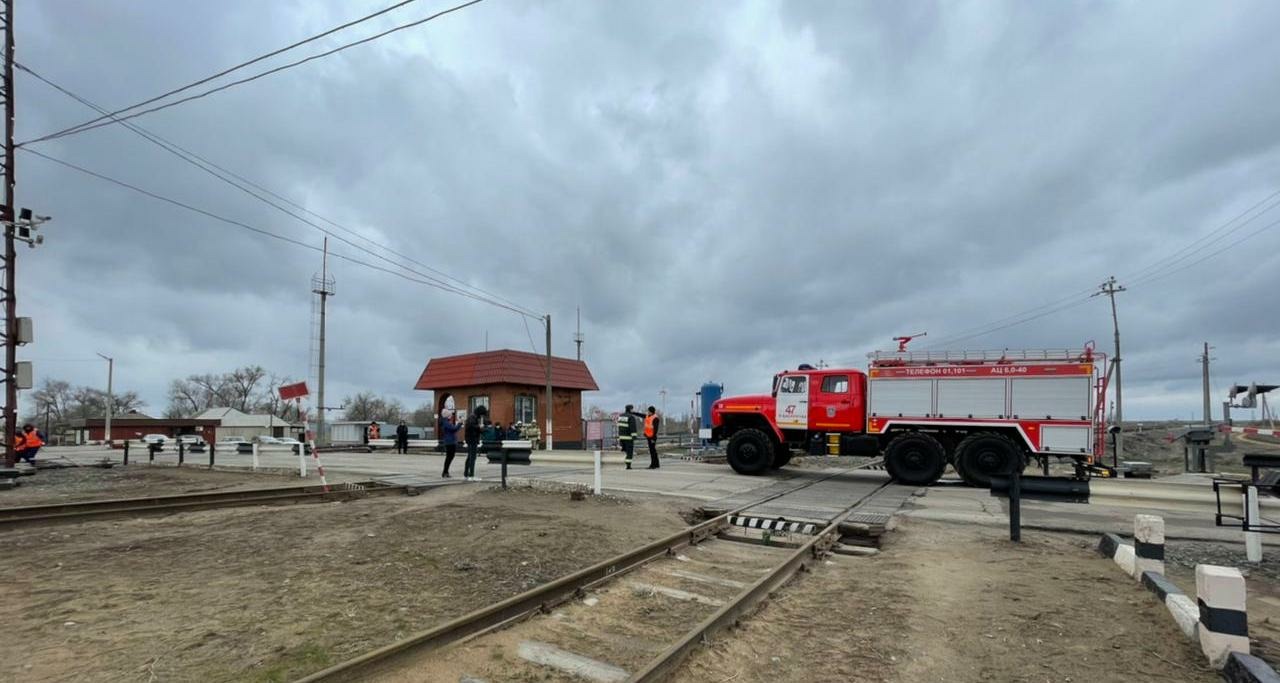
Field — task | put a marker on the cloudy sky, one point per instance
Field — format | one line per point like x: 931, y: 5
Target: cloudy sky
x: 725, y: 189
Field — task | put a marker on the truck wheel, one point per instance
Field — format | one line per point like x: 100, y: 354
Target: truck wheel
x: 914, y: 458
x: 781, y: 456
x: 982, y: 456
x: 750, y: 451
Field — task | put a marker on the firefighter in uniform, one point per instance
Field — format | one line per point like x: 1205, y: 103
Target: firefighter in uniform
x: 27, y: 443
x: 651, y: 435
x: 627, y: 432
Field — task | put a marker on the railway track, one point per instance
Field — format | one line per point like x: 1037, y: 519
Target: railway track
x: 615, y: 621
x: 73, y: 512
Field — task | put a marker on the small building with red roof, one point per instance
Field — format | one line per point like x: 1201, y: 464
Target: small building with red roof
x: 513, y: 386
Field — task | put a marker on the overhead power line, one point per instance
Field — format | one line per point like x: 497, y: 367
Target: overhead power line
x: 237, y: 67
x: 218, y: 172
x: 1157, y: 270
x: 268, y: 233
x: 115, y: 117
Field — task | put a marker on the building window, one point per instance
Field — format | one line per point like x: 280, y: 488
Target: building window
x: 835, y: 384
x: 475, y: 402
x: 526, y: 408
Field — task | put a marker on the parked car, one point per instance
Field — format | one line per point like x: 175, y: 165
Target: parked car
x: 157, y: 439
x: 294, y: 444
x: 234, y: 444
x: 267, y: 440
x: 191, y: 439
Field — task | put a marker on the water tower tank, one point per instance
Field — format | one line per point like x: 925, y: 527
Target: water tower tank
x: 710, y: 394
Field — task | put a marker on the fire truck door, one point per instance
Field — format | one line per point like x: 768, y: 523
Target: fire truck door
x: 832, y: 407
x: 793, y: 402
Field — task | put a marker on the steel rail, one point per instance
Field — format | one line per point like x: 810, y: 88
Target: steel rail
x: 540, y: 599
x: 183, y: 502
x: 662, y: 666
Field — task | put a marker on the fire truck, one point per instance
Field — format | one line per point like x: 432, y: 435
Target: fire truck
x: 981, y: 412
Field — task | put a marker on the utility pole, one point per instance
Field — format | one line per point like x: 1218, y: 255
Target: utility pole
x: 1204, y: 366
x: 550, y: 406
x: 106, y: 431
x: 10, y: 254
x: 1110, y: 288
x: 577, y: 336
x: 323, y: 287
x: 663, y: 394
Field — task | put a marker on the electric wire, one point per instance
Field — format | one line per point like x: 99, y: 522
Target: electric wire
x: 99, y: 123
x: 209, y: 167
x: 1156, y: 270
x: 237, y: 67
x: 267, y: 233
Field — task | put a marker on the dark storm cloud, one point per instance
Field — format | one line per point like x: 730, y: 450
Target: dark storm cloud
x: 724, y: 190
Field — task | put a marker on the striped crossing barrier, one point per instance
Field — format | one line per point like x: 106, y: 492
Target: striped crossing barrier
x: 778, y: 524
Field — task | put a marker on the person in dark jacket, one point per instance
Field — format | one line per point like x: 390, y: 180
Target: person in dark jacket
x: 402, y: 438
x: 472, y: 432
x: 449, y: 439
x: 627, y: 432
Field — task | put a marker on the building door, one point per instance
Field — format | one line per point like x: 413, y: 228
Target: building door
x: 793, y: 402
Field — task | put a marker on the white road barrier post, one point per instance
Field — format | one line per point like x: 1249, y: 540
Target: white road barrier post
x: 302, y: 463
x: 1252, y: 515
x: 255, y: 457
x: 1148, y: 545
x: 1224, y: 624
x: 597, y: 463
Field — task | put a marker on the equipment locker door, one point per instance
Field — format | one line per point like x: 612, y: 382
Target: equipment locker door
x: 832, y: 407
x: 793, y: 402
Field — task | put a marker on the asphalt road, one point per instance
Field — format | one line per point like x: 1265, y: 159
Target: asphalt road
x: 946, y: 502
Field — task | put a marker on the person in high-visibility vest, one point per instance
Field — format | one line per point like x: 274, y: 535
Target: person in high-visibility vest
x: 627, y: 432
x: 27, y: 443
x: 651, y: 434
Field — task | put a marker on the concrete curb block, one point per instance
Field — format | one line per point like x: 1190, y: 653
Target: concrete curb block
x: 1242, y: 668
x: 1108, y: 545
x: 1182, y: 608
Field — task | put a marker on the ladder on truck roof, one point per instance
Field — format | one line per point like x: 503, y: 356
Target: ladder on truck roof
x: 1085, y: 355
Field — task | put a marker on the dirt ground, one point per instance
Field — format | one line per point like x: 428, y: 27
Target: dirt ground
x: 957, y: 603
x: 77, y: 484
x: 269, y: 594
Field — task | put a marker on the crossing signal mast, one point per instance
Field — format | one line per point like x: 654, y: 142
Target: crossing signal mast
x: 24, y: 227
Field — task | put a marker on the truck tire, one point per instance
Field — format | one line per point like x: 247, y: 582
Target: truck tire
x: 984, y: 455
x: 750, y: 451
x: 781, y: 456
x: 914, y: 458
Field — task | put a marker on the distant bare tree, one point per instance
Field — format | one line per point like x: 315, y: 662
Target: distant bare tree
x: 423, y: 416
x: 368, y: 406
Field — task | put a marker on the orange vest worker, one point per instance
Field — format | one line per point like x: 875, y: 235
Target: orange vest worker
x: 33, y: 440
x: 649, y: 431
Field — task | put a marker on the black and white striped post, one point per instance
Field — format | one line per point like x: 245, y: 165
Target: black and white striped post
x: 1224, y: 622
x: 1148, y: 545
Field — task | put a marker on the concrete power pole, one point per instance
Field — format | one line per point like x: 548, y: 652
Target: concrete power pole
x: 663, y: 394
x: 323, y: 287
x: 1204, y: 366
x: 577, y: 336
x: 550, y: 406
x: 106, y: 430
x: 1110, y: 288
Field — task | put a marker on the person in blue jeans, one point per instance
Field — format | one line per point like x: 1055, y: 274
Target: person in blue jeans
x: 472, y: 432
x: 449, y: 439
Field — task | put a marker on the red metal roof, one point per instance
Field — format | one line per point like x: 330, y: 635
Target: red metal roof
x: 504, y: 367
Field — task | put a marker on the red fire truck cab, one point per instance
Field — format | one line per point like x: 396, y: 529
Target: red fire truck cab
x: 981, y: 412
